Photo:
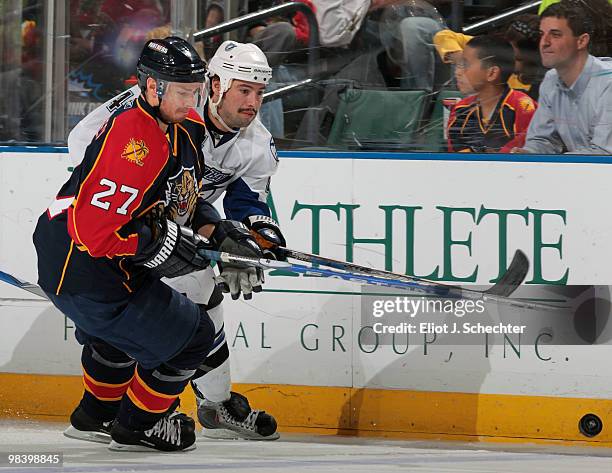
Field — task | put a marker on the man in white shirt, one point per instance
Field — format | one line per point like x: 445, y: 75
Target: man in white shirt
x: 575, y: 105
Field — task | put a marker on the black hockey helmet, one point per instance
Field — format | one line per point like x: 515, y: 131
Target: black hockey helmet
x: 171, y: 59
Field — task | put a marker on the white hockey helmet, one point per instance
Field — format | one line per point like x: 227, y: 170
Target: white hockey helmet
x: 242, y: 61
x: 233, y: 60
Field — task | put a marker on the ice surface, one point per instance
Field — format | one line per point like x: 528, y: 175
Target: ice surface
x: 303, y: 453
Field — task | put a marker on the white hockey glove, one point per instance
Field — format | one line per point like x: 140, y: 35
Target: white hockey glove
x: 233, y: 237
x: 268, y: 236
x: 237, y: 280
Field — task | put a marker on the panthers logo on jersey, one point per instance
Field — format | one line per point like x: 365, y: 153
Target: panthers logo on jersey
x: 135, y: 151
x: 181, y: 195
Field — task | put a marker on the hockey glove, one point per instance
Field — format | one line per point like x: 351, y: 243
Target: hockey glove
x: 233, y: 237
x: 173, y: 250
x: 268, y: 236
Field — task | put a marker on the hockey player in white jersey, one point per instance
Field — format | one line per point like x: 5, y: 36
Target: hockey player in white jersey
x: 240, y: 158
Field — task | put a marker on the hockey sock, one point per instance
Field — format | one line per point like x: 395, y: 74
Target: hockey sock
x: 151, y: 394
x: 107, y: 372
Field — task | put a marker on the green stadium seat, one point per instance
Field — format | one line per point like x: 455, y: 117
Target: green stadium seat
x: 377, y: 119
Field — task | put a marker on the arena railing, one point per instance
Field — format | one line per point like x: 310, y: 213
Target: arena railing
x: 497, y: 20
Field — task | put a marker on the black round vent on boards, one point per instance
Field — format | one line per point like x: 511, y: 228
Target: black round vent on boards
x: 590, y: 425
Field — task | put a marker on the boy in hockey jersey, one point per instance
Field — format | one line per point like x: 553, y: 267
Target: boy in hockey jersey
x: 495, y: 118
x: 239, y: 160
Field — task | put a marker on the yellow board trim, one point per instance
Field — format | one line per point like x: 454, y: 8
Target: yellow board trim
x: 359, y: 412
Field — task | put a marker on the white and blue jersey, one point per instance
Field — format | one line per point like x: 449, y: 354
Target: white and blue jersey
x: 239, y: 164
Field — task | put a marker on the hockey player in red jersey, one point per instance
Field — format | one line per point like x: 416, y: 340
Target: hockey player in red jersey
x: 240, y: 158
x: 127, y: 217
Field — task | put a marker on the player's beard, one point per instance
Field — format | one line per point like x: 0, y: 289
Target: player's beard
x: 243, y: 121
x: 235, y: 119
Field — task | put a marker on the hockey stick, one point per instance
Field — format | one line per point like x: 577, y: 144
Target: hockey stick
x: 406, y: 283
x: 248, y: 261
x: 21, y: 284
x: 267, y: 264
x: 507, y: 284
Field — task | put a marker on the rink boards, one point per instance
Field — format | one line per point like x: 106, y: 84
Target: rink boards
x: 301, y: 350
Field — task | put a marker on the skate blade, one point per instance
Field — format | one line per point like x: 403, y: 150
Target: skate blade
x: 122, y: 447
x: 226, y: 434
x: 88, y: 436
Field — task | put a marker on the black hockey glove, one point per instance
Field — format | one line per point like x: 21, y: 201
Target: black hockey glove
x: 268, y: 236
x: 173, y: 250
x: 233, y: 237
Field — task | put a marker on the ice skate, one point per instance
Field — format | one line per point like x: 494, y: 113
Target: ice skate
x: 234, y: 419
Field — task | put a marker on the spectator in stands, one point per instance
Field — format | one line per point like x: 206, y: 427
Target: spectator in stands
x: 373, y: 69
x: 524, y: 36
x: 380, y: 66
x: 30, y: 88
x: 601, y: 12
x: 340, y: 20
x: 279, y: 36
x: 463, y: 85
x: 215, y: 15
x: 407, y: 32
x: 575, y: 113
x: 404, y: 27
x: 495, y: 118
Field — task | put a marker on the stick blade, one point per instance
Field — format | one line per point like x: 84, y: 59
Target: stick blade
x: 13, y: 281
x: 512, y: 278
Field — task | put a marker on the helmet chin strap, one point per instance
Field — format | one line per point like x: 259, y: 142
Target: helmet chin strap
x: 213, y: 107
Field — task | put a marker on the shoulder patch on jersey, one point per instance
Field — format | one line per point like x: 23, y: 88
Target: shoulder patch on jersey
x: 273, y: 149
x: 135, y: 151
x: 124, y: 99
x: 526, y: 104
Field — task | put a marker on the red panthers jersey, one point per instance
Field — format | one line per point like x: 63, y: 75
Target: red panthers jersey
x: 85, y: 239
x: 468, y: 131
